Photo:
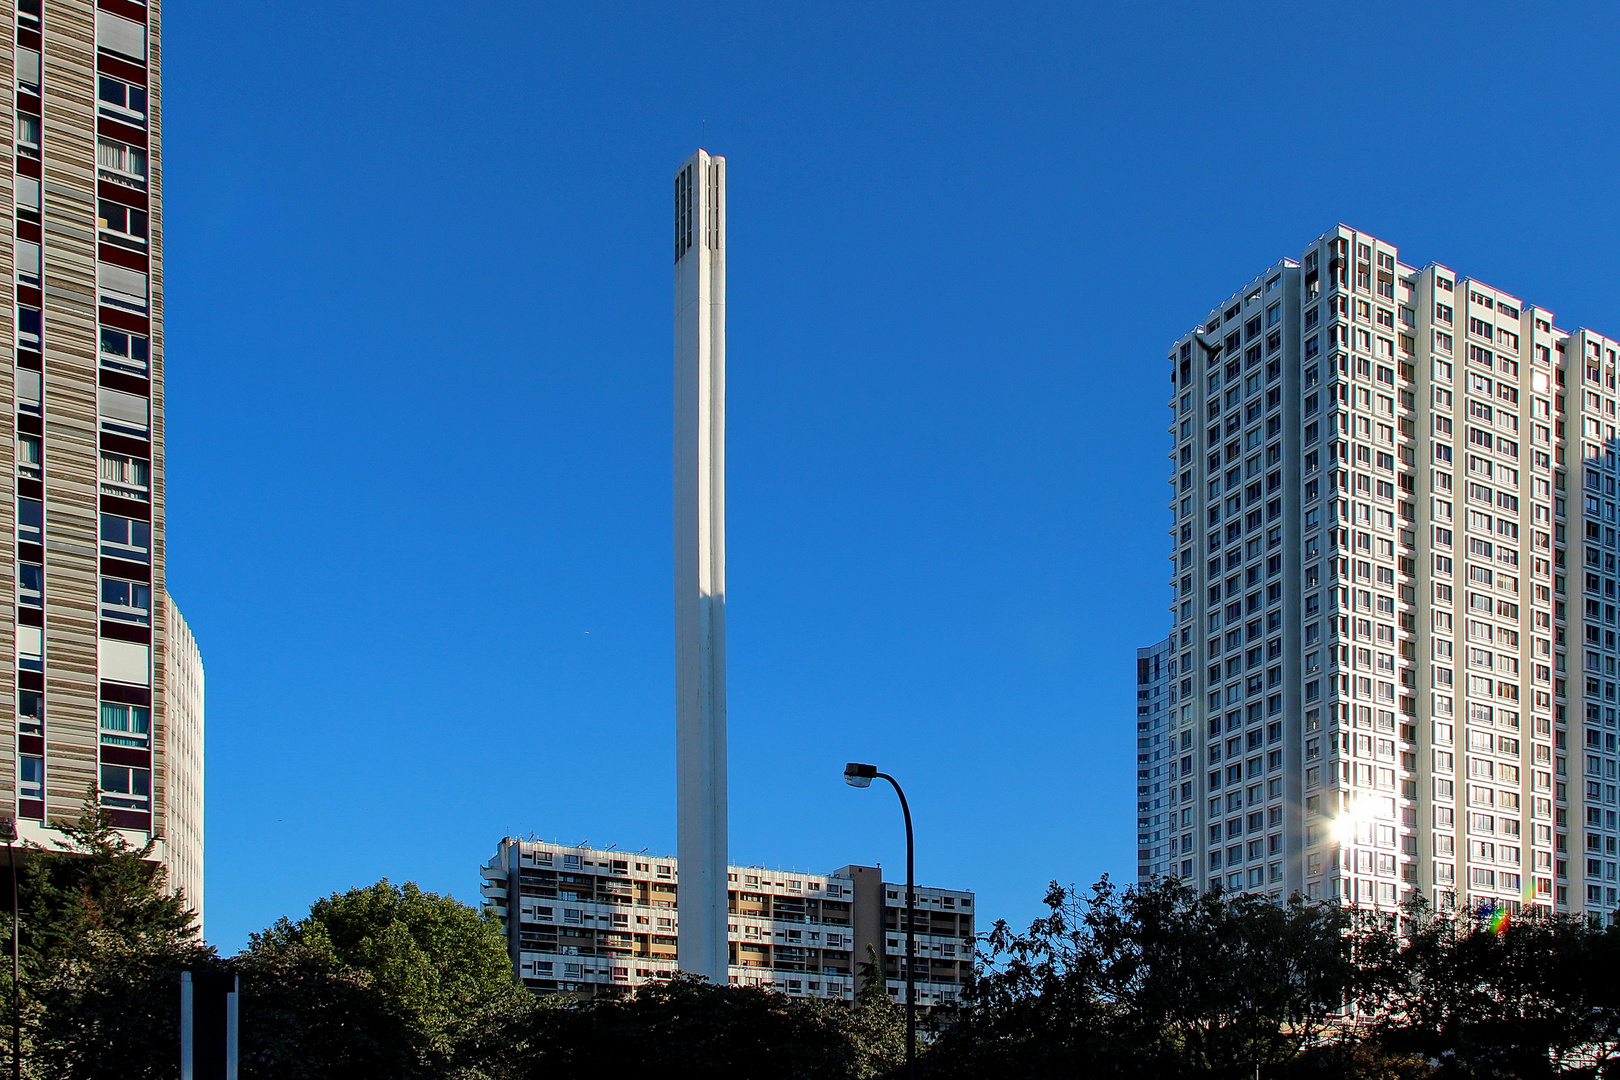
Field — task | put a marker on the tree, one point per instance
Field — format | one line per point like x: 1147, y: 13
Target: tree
x: 93, y: 891
x: 1217, y: 985
x: 384, y: 979
x: 1536, y: 999
x: 1036, y: 1008
x: 114, y: 1014
x: 104, y: 942
x: 877, y: 1023
x: 684, y: 1027
x: 307, y: 1016
x: 1156, y: 981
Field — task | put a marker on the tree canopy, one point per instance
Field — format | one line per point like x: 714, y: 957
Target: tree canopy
x: 104, y: 941
x: 385, y: 977
x: 1151, y: 981
x: 1162, y: 981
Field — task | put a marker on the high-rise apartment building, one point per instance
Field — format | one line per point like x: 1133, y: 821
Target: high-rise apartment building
x: 585, y: 921
x: 1394, y: 565
x: 1154, y: 843
x: 95, y: 634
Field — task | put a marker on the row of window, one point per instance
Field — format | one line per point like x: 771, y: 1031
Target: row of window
x: 121, y: 537
x: 121, y: 600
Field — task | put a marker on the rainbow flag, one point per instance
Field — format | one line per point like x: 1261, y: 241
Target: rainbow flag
x: 1498, y: 922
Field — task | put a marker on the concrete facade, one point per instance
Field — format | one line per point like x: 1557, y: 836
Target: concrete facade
x: 700, y: 556
x: 590, y: 921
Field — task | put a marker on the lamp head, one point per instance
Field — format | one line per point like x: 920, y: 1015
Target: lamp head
x: 8, y: 827
x: 858, y: 775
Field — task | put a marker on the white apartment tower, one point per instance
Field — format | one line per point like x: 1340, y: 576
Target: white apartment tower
x: 700, y: 558
x: 1394, y: 623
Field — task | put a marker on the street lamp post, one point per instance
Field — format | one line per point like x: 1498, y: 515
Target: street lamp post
x: 859, y: 775
x: 8, y: 833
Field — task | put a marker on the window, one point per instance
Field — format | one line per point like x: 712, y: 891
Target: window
x: 126, y: 538
x: 25, y: 191
x: 122, y: 101
x: 30, y: 520
x: 126, y: 414
x: 121, y: 286
x: 120, y: 35
x: 30, y: 712
x: 126, y: 787
x: 28, y: 456
x: 120, y: 163
x: 125, y: 725
x: 126, y: 601
x: 30, y: 585
x: 125, y: 225
x: 27, y: 135
x: 125, y: 477
x: 127, y: 352
x: 31, y: 778
x: 28, y: 67
x: 26, y: 262
x: 30, y: 323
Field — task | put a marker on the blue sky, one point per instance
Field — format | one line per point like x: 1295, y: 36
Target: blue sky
x: 418, y: 288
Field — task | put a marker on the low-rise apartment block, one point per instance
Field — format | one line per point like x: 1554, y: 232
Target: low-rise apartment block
x: 588, y: 921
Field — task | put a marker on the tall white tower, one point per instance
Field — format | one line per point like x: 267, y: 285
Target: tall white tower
x: 700, y: 562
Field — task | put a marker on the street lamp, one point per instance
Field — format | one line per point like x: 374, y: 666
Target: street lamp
x: 859, y: 775
x: 8, y: 833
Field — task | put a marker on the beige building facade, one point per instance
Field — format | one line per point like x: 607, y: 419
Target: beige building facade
x: 82, y: 521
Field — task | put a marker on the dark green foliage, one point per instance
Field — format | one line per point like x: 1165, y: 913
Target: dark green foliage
x: 103, y: 945
x: 386, y: 980
x: 116, y: 1014
x: 94, y: 891
x: 305, y: 1016
x: 687, y: 1028
x: 1155, y: 981
x: 878, y: 1023
x: 1538, y: 1000
x: 1159, y: 981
